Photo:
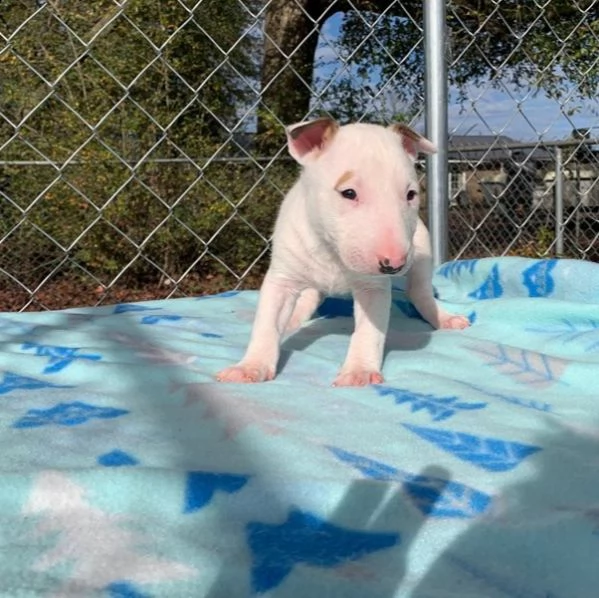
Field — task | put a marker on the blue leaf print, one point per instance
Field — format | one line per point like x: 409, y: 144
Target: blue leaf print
x: 117, y: 458
x: 526, y: 403
x: 157, y: 319
x: 124, y: 589
x: 375, y: 470
x: 201, y: 486
x: 336, y: 307
x: 210, y: 335
x: 408, y: 309
x: 538, y: 279
x: 306, y: 539
x: 435, y: 497
x: 66, y: 414
x: 526, y: 367
x: 127, y: 307
x: 12, y: 382
x: 491, y: 454
x: 59, y: 357
x: 491, y: 288
x: 224, y: 295
x: 450, y: 269
x: 440, y: 408
x: 567, y: 332
x: 432, y: 496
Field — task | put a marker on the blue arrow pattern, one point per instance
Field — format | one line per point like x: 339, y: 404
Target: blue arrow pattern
x: 491, y: 288
x: 491, y: 454
x: 75, y: 413
x: 438, y: 408
x: 432, y: 496
x: 124, y: 589
x: 306, y: 539
x: 11, y: 382
x: 538, y: 278
x: 478, y: 446
x: 59, y: 357
x: 202, y: 486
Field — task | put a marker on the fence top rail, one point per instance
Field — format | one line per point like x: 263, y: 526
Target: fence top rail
x: 267, y: 159
x: 522, y: 145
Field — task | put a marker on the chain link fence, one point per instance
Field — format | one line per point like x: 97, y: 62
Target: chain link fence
x: 142, y: 150
x: 535, y: 194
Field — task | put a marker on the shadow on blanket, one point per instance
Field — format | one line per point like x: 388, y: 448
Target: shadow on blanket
x: 542, y: 532
x: 366, y: 510
x: 105, y: 527
x: 127, y: 472
x: 335, y: 321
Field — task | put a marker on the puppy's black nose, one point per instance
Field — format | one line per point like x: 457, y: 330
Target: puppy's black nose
x: 386, y: 268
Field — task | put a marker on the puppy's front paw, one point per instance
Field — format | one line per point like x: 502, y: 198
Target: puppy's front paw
x: 451, y: 322
x: 358, y: 378
x: 246, y: 373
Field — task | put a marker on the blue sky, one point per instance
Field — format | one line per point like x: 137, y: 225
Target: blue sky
x: 516, y: 113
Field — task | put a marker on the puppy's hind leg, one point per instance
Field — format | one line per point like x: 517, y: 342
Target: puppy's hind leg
x: 306, y: 305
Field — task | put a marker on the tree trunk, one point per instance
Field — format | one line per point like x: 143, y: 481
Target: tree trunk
x: 291, y: 33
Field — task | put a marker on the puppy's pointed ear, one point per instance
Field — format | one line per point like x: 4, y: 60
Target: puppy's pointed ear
x: 412, y: 142
x: 307, y: 140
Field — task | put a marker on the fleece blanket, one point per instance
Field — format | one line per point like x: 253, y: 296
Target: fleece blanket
x: 473, y: 471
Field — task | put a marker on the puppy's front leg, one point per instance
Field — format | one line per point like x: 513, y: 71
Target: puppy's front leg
x: 420, y: 285
x: 275, y: 305
x: 362, y: 365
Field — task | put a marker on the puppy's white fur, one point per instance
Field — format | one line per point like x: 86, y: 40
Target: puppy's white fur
x: 348, y: 223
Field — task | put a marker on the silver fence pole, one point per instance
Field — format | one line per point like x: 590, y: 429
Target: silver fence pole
x: 435, y: 35
x: 559, y: 203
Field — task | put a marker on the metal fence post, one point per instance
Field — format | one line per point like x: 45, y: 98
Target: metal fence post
x: 559, y: 202
x: 436, y: 125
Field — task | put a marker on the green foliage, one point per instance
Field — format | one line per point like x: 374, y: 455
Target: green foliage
x: 117, y: 152
x: 355, y: 99
x: 545, y: 239
x: 116, y: 124
x: 551, y: 46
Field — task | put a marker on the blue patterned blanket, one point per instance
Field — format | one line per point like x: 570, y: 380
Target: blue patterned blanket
x: 473, y: 471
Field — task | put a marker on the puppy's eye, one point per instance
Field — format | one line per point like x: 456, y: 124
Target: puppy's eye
x: 411, y: 196
x: 349, y: 194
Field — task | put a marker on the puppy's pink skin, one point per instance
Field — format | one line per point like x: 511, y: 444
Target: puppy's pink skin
x: 347, y: 225
x: 246, y: 373
x: 358, y: 378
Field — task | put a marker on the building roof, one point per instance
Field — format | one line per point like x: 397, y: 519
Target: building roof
x: 475, y: 149
x: 495, y: 148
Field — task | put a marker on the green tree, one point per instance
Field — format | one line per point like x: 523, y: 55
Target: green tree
x: 113, y: 119
x: 551, y: 46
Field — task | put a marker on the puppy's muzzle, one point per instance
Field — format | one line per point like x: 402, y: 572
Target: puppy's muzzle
x: 385, y: 267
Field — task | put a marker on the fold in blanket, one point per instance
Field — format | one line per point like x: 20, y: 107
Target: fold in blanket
x: 473, y: 471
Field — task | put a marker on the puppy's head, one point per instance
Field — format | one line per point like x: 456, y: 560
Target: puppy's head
x: 363, y: 192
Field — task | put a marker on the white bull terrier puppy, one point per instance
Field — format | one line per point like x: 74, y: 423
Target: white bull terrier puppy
x: 347, y: 225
